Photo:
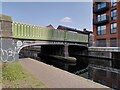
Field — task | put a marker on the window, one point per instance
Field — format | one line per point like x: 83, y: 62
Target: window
x: 113, y: 2
x: 114, y: 14
x: 114, y: 86
x: 102, y: 17
x: 113, y: 28
x: 98, y: 31
x: 101, y: 5
x: 113, y: 42
x: 101, y: 30
x: 113, y: 75
x: 101, y: 43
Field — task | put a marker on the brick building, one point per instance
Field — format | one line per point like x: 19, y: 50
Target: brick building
x: 106, y: 30
x: 106, y: 23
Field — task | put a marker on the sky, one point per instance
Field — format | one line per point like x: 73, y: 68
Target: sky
x: 71, y: 14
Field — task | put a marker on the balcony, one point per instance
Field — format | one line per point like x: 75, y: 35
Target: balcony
x: 101, y: 22
x: 103, y: 9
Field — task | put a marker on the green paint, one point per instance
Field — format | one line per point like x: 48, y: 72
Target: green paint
x: 24, y: 31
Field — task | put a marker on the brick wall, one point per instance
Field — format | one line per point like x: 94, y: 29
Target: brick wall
x: 5, y: 26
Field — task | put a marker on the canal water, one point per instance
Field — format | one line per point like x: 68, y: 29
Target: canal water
x: 81, y: 63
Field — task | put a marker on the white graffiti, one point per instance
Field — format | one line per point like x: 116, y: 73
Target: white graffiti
x: 7, y: 54
x: 10, y: 53
x: 4, y: 55
x: 19, y: 43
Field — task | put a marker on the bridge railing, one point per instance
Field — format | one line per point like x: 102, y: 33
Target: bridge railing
x: 107, y: 43
x: 25, y: 31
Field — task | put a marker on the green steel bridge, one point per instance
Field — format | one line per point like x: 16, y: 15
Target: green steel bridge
x: 15, y: 36
x: 32, y: 32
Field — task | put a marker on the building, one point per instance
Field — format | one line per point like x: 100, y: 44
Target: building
x: 106, y: 24
x: 60, y: 27
x: 50, y: 27
x: 106, y: 30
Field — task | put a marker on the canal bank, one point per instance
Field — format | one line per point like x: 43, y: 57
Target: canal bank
x: 99, y: 69
x: 57, y: 78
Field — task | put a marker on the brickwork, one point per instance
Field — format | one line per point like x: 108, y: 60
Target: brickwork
x: 108, y: 35
x: 5, y: 26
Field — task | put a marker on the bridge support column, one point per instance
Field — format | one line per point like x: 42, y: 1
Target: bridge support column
x: 65, y: 52
x: 6, y: 46
x: 55, y: 50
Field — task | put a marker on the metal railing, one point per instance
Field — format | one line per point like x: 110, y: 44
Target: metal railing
x: 106, y: 43
x: 100, y: 10
x: 96, y: 21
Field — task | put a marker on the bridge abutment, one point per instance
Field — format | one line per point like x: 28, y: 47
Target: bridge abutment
x: 6, y: 46
x: 65, y: 52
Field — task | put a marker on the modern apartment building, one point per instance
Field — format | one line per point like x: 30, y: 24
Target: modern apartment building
x: 106, y: 30
x: 106, y: 23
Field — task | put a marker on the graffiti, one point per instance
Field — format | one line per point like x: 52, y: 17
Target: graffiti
x: 9, y: 54
x: 19, y: 43
x: 4, y: 55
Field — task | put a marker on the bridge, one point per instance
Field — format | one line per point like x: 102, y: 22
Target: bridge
x: 15, y: 36
x: 31, y: 32
x: 54, y: 43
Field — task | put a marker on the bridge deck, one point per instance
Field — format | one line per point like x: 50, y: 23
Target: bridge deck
x: 56, y: 78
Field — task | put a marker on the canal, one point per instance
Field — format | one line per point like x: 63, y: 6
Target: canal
x: 72, y: 66
x: 105, y: 71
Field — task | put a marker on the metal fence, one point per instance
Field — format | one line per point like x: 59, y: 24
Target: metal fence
x: 113, y: 42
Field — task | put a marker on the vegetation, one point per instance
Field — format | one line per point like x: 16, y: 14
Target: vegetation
x: 14, y: 76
